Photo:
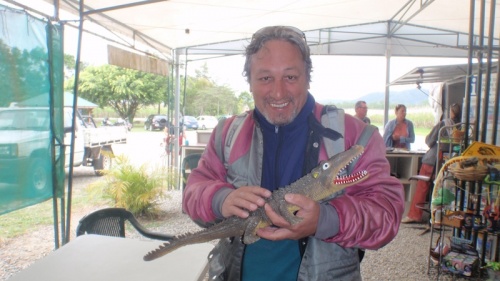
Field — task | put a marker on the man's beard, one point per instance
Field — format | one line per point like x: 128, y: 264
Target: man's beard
x: 280, y: 119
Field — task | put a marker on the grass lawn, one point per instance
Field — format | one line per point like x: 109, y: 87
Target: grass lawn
x: 21, y: 221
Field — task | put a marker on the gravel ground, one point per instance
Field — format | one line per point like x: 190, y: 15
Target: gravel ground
x: 402, y: 259
x: 405, y: 258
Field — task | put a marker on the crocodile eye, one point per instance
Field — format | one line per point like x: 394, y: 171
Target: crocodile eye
x: 326, y: 166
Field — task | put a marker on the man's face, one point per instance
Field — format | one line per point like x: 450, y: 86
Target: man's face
x: 278, y: 81
x: 362, y: 110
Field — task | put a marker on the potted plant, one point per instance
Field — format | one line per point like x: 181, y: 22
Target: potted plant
x: 493, y: 268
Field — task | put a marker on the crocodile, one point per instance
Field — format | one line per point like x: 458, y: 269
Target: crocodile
x: 320, y: 184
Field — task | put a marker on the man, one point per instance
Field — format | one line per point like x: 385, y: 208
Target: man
x: 361, y: 111
x: 277, y: 143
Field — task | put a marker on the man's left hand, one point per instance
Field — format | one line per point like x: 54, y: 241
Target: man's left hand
x: 308, y: 211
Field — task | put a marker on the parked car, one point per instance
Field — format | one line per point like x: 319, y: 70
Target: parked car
x: 118, y: 122
x: 26, y: 148
x: 223, y: 117
x: 189, y: 122
x: 156, y: 122
x: 207, y: 122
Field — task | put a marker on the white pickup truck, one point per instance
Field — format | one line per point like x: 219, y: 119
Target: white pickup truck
x: 25, y: 145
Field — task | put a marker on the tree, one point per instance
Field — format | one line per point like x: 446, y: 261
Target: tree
x: 214, y: 100
x: 193, y: 87
x: 124, y: 90
x: 189, y: 99
x: 245, y: 101
x: 25, y: 73
x: 204, y: 97
x: 69, y: 68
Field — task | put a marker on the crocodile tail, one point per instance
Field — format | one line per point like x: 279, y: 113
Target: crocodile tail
x: 230, y: 227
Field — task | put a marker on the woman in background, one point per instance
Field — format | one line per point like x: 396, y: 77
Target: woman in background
x: 428, y: 163
x: 399, y: 132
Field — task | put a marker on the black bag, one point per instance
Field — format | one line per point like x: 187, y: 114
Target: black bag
x: 224, y: 261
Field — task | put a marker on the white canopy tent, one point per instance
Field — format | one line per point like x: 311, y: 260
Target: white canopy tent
x: 172, y: 30
x: 176, y: 30
x: 409, y: 27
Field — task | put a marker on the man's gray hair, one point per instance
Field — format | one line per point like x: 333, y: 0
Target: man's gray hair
x: 286, y: 33
x: 359, y: 104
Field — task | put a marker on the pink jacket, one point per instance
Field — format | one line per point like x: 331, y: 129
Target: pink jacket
x: 369, y: 213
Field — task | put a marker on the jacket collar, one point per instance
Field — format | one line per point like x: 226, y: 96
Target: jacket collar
x: 299, y: 121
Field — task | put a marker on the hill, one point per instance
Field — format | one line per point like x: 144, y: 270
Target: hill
x: 410, y: 98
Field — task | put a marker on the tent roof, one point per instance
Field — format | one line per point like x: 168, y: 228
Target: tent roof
x: 440, y: 73
x: 339, y: 27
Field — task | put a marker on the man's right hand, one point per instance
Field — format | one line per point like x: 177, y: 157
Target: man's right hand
x: 243, y: 200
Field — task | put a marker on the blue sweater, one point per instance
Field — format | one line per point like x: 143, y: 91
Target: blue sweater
x: 389, y: 129
x: 284, y: 154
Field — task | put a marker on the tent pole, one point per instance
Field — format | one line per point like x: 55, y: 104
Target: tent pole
x: 479, y: 78
x: 387, y: 76
x: 185, y: 83
x: 175, y: 153
x: 487, y: 87
x: 75, y: 108
x: 51, y: 112
x: 55, y: 216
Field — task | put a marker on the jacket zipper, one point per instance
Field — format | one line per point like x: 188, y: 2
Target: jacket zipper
x: 278, y: 133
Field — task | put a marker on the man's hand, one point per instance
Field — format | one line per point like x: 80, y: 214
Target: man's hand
x: 308, y: 211
x: 244, y: 199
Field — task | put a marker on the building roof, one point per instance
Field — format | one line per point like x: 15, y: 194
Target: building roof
x: 43, y: 100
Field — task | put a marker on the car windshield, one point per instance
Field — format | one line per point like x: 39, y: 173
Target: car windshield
x: 189, y: 119
x: 24, y: 120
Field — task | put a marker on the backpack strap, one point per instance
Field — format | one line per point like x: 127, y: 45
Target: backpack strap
x: 223, y: 150
x: 218, y: 138
x: 333, y: 118
x: 363, y: 141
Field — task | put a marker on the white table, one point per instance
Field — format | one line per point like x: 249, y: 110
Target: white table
x: 96, y: 257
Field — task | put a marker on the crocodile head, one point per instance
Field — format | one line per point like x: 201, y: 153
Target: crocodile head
x: 331, y: 172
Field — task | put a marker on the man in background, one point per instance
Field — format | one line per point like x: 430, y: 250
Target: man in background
x: 361, y: 110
